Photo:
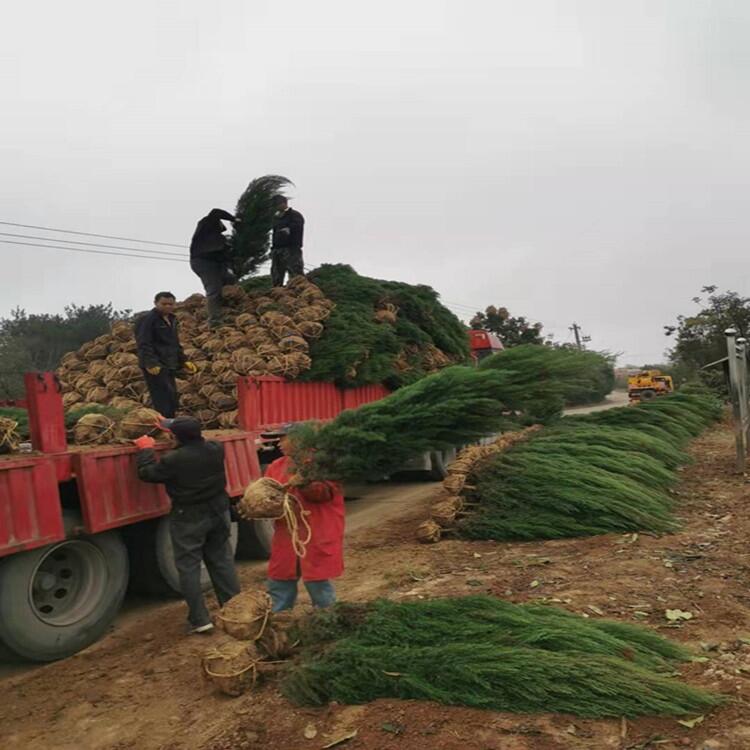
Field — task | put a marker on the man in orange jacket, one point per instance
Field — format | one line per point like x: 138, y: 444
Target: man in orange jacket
x: 323, y: 503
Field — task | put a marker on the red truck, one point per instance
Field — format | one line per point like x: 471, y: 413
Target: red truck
x: 77, y: 527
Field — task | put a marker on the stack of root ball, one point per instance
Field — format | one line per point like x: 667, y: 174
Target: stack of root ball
x: 451, y: 504
x: 257, y: 642
x: 262, y: 335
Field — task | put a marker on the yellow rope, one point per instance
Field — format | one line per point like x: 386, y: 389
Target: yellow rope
x: 293, y: 524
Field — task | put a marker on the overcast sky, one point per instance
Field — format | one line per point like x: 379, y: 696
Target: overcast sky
x: 580, y: 160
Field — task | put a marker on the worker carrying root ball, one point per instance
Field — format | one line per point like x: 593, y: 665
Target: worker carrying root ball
x: 323, y: 506
x: 199, y: 521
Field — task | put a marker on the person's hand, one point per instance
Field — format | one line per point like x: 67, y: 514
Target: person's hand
x: 154, y: 370
x: 144, y: 442
x: 295, y: 480
x: 190, y: 367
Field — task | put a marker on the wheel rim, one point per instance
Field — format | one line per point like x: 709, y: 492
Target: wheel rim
x: 67, y: 583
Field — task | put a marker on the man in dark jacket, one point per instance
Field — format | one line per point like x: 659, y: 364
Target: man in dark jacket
x: 199, y: 522
x: 209, y: 259
x: 286, y: 245
x: 160, y: 354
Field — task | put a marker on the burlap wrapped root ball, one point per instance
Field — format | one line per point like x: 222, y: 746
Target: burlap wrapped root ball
x: 94, y: 429
x: 428, y: 532
x: 138, y: 422
x: 9, y: 437
x: 246, y: 615
x: 232, y: 667
x: 275, y: 642
x: 71, y: 399
x: 445, y: 512
x: 263, y: 498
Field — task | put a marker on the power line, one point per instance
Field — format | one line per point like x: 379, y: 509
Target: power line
x: 92, y: 244
x: 93, y: 252
x: 92, y: 234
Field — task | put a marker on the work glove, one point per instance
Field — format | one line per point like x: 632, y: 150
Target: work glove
x: 190, y: 367
x: 144, y: 442
x: 154, y: 370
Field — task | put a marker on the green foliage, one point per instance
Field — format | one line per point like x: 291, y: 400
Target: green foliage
x: 37, y: 342
x: 699, y: 338
x: 544, y: 379
x: 486, y: 653
x: 600, y: 473
x: 355, y: 349
x: 454, y: 406
x: 250, y: 244
x: 512, y: 331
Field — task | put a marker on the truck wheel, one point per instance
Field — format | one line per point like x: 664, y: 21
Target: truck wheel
x: 647, y: 395
x: 440, y: 461
x: 58, y: 599
x: 255, y: 540
x: 152, y: 559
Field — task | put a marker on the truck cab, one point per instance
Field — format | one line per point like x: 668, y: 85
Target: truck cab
x: 483, y: 344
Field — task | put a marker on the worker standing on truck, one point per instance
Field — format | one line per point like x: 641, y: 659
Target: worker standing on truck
x: 209, y: 259
x: 323, y: 505
x: 199, y: 522
x: 286, y: 243
x: 160, y: 354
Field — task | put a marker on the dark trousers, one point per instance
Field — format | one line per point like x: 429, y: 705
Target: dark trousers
x: 163, y: 391
x: 286, y: 260
x: 214, y: 274
x: 201, y: 534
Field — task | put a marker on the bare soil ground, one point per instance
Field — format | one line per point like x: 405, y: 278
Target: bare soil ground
x: 141, y: 687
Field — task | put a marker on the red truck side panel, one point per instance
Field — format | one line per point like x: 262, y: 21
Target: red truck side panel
x: 30, y: 510
x: 110, y: 492
x: 45, y: 407
x: 112, y: 495
x: 240, y: 461
x: 269, y: 401
x: 354, y: 397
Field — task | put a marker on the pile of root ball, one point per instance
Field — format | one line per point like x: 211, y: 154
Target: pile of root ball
x: 349, y: 330
x: 256, y: 641
x: 262, y: 334
x: 611, y: 471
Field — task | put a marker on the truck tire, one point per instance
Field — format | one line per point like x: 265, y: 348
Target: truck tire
x: 440, y: 461
x: 152, y: 559
x: 647, y: 395
x: 255, y: 540
x: 61, y: 598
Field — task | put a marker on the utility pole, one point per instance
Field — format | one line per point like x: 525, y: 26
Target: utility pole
x: 577, y: 333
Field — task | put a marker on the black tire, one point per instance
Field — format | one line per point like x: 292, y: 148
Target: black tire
x: 61, y: 598
x: 647, y: 395
x: 254, y: 540
x: 152, y: 559
x: 438, y: 472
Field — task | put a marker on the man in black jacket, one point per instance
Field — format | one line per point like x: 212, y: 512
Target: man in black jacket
x: 160, y: 354
x: 199, y: 522
x: 286, y: 245
x: 209, y: 259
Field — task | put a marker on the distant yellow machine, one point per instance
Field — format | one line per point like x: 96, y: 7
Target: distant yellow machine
x: 649, y: 384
